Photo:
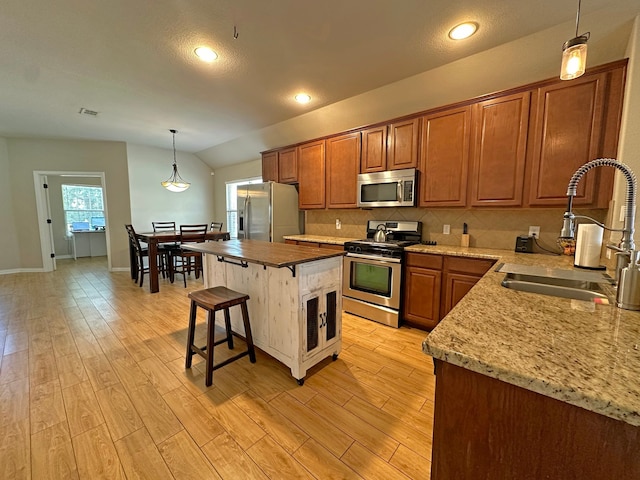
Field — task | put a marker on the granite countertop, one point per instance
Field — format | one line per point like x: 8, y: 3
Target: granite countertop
x: 320, y: 239
x: 276, y: 255
x: 581, y: 353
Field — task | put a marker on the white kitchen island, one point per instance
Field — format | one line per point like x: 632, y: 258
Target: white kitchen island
x: 295, y: 305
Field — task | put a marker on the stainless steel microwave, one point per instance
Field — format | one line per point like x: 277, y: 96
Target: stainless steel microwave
x: 393, y: 188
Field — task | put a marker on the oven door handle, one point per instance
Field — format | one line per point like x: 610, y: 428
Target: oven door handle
x: 371, y: 257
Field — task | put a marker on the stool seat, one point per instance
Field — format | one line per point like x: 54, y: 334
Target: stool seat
x: 212, y: 300
x: 217, y: 298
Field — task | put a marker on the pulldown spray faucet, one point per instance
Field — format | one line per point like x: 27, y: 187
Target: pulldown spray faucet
x: 627, y: 268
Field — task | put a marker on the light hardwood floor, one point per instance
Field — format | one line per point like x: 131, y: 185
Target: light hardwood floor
x: 93, y: 386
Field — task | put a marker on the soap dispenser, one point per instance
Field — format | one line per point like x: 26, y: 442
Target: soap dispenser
x: 628, y: 295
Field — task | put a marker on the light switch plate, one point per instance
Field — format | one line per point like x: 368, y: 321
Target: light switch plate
x: 446, y: 229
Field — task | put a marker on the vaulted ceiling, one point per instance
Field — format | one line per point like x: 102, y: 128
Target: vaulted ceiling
x: 133, y: 62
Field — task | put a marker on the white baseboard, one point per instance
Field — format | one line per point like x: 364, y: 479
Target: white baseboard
x: 21, y: 270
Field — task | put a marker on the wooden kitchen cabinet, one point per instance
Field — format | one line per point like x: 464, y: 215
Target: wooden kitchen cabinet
x: 434, y: 284
x: 498, y: 150
x: 330, y: 246
x: 374, y: 150
x: 270, y: 166
x: 567, y: 133
x: 390, y: 147
x: 311, y: 175
x: 485, y: 428
x: 459, y: 276
x: 402, y: 144
x: 422, y: 285
x: 342, y: 164
x: 280, y: 166
x: 516, y: 148
x: 444, y: 158
x: 308, y: 244
x: 287, y: 166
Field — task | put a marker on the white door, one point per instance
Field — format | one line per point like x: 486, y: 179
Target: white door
x: 44, y: 222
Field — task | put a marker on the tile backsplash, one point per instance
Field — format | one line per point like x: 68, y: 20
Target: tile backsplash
x: 488, y: 228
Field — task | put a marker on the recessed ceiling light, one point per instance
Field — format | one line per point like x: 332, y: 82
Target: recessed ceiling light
x: 205, y: 54
x: 303, y: 98
x: 462, y: 31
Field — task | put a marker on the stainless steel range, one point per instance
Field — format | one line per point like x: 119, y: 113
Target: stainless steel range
x: 372, y: 278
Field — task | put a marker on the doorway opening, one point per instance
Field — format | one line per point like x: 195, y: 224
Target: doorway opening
x: 52, y: 218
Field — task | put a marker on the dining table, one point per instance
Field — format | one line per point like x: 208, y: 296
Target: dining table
x: 152, y: 239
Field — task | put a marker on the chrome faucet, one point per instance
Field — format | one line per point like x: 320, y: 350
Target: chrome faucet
x: 627, y: 269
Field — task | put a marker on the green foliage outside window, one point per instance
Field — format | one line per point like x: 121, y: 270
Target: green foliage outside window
x: 83, y: 203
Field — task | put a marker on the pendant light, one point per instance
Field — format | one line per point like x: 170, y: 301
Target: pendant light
x: 175, y: 183
x: 574, y: 53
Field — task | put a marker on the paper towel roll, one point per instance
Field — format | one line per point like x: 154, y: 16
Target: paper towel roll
x: 588, y: 245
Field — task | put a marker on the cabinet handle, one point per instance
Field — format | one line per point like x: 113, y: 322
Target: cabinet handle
x: 323, y: 317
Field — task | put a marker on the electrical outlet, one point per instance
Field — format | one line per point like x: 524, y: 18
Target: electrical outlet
x: 534, y: 231
x: 446, y: 229
x: 338, y: 224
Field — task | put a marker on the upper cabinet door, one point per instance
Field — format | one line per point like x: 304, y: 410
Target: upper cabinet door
x: 270, y: 167
x: 311, y: 175
x: 498, y: 150
x: 374, y: 150
x: 342, y: 162
x: 444, y: 156
x: 287, y: 166
x: 402, y: 144
x: 567, y: 134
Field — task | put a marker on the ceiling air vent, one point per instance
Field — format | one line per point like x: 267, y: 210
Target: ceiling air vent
x: 86, y: 111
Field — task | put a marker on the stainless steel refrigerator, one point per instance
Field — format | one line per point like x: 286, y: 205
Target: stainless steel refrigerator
x: 267, y: 211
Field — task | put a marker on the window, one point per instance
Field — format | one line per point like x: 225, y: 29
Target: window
x: 232, y: 204
x: 83, y: 207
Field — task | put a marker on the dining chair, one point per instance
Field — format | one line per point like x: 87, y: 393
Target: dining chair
x: 165, y: 248
x: 139, y: 254
x: 183, y: 260
x: 216, y: 226
x: 158, y: 226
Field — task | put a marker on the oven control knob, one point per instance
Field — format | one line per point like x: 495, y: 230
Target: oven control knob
x: 358, y: 249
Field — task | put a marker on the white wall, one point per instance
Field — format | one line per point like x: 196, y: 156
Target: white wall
x: 232, y: 173
x: 27, y: 155
x: 150, y: 202
x: 9, y: 249
x: 629, y: 146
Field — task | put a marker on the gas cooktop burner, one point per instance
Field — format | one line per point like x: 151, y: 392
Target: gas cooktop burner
x: 399, y: 234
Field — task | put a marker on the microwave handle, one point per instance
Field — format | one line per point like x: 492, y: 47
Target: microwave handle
x: 399, y: 190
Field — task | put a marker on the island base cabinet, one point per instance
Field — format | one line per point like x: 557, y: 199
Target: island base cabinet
x: 320, y: 316
x: 487, y: 429
x: 279, y: 308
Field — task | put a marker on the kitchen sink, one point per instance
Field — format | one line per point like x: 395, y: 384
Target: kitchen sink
x: 557, y: 282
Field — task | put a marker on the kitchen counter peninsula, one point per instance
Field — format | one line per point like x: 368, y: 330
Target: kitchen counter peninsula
x: 295, y: 304
x: 533, y: 386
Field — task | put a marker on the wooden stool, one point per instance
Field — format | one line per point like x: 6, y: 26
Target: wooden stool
x: 212, y: 300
